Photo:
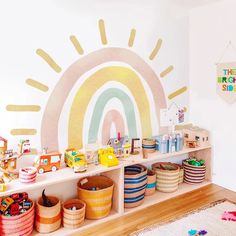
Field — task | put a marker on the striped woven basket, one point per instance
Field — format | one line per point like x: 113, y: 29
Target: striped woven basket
x: 167, y: 176
x: 194, y: 174
x: 149, y: 145
x: 151, y: 183
x: 18, y: 225
x: 135, y: 184
x: 96, y: 192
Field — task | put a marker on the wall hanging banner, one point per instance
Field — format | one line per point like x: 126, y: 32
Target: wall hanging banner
x: 226, y: 81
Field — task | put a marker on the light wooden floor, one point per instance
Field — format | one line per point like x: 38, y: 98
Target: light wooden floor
x: 161, y: 212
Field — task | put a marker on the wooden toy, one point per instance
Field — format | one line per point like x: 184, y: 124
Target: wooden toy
x: 91, y: 153
x: 48, y: 162
x: 107, y: 157
x: 191, y: 144
x: 201, y: 136
x: 121, y: 146
x: 76, y: 160
x: 134, y: 150
x: 3, y: 145
x: 24, y: 146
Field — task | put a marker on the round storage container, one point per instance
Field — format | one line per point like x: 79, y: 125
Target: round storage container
x: 151, y: 183
x: 96, y: 192
x: 18, y: 225
x: 135, y: 184
x: 167, y: 176
x: 194, y: 174
x: 73, y: 213
x: 149, y: 145
x: 181, y: 173
x: 48, y: 219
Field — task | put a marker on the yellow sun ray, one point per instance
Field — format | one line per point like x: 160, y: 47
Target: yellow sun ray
x: 131, y: 37
x: 156, y: 49
x: 37, y: 85
x: 31, y: 108
x: 23, y: 131
x: 102, y: 31
x: 166, y: 71
x: 177, y: 92
x: 49, y: 60
x: 76, y: 44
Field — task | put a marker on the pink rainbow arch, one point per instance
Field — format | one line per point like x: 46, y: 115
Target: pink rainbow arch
x: 50, y: 120
x: 113, y: 116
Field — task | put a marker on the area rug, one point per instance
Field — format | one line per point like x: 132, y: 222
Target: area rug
x: 207, y: 219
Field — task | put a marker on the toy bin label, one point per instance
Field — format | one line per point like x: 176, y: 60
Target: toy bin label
x: 226, y: 81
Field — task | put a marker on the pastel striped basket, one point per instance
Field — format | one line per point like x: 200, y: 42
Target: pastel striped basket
x: 181, y: 173
x: 73, y: 219
x: 48, y: 219
x: 18, y: 225
x: 167, y: 176
x: 151, y: 183
x: 96, y: 192
x: 135, y: 185
x: 194, y: 174
x: 27, y: 174
x: 149, y: 145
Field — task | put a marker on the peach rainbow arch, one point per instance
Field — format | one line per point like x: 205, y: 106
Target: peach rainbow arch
x: 79, y: 106
x: 50, y: 120
x: 113, y: 116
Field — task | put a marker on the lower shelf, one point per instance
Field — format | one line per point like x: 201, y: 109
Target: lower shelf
x: 149, y: 200
x: 158, y: 197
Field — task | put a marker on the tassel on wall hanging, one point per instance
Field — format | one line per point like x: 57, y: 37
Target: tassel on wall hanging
x: 226, y: 77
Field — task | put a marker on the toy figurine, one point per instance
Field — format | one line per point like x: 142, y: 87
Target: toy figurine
x: 76, y: 160
x: 48, y: 162
x: 107, y: 157
x: 121, y: 146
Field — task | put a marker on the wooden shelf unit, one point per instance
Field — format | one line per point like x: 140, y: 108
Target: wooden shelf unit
x: 67, y: 177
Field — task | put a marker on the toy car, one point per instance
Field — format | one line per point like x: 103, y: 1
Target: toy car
x: 14, y: 209
x: 5, y: 204
x: 76, y: 160
x: 19, y: 197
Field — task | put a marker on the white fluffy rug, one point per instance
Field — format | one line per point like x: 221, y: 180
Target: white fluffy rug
x: 208, y: 219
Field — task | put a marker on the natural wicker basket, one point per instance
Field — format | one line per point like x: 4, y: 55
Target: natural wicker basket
x: 18, y: 225
x: 96, y: 192
x: 73, y: 218
x: 135, y: 184
x: 48, y: 219
x: 151, y: 183
x: 149, y: 145
x: 167, y: 176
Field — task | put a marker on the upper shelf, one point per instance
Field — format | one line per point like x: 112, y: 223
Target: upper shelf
x: 66, y: 174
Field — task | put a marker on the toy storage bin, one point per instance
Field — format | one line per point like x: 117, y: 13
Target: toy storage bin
x: 48, y: 219
x: 149, y: 145
x: 135, y: 185
x: 181, y: 173
x: 73, y: 218
x: 194, y: 174
x: 151, y: 183
x: 96, y: 192
x: 18, y: 225
x: 167, y: 176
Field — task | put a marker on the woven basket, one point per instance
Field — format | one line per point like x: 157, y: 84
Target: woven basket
x: 194, y: 174
x: 48, y: 219
x: 73, y: 218
x: 167, y: 176
x: 18, y: 225
x: 181, y: 173
x: 149, y: 145
x: 135, y: 184
x: 151, y: 183
x: 96, y: 192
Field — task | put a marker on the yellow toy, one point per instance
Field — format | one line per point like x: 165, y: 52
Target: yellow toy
x: 107, y: 157
x: 75, y: 160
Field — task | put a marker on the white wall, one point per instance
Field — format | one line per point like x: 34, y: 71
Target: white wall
x: 211, y: 28
x: 27, y: 25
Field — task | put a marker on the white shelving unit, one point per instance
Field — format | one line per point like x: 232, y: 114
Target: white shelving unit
x: 62, y: 183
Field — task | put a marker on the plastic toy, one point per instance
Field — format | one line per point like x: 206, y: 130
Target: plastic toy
x: 121, y: 146
x: 5, y: 204
x: 107, y: 157
x: 194, y: 232
x: 229, y: 215
x: 76, y: 160
x: 48, y: 162
x: 201, y: 136
x: 14, y: 209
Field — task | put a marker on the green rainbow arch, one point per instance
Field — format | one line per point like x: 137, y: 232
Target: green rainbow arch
x: 99, y: 108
